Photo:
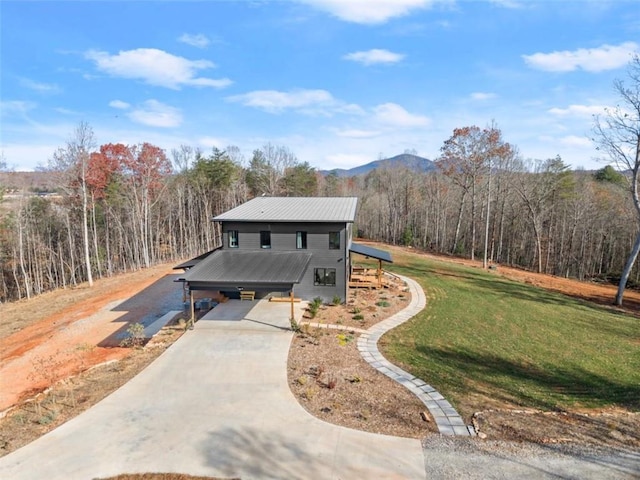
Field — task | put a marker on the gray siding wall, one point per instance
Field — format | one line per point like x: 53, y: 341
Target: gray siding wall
x: 283, y: 238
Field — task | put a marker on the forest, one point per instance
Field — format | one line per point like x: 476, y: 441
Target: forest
x: 118, y: 208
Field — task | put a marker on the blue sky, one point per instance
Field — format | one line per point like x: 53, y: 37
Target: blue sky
x: 340, y: 83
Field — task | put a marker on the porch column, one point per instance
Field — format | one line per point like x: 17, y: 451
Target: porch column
x: 293, y: 318
x: 192, y: 320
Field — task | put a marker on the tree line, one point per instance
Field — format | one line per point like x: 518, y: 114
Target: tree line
x: 125, y: 207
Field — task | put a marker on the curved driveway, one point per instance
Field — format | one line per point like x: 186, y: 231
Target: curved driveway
x: 216, y: 403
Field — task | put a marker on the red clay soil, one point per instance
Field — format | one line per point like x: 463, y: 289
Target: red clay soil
x: 73, y: 337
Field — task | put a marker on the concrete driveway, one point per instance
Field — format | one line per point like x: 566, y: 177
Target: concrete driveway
x: 216, y: 403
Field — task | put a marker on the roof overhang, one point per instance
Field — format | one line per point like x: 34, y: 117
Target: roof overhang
x: 248, y: 269
x: 194, y: 261
x: 370, y: 252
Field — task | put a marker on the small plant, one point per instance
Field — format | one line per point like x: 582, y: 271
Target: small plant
x: 47, y: 418
x: 337, y: 300
x: 364, y: 414
x: 354, y: 379
x: 314, y: 306
x: 383, y: 303
x: 135, y: 336
x: 344, y: 338
x: 295, y: 327
x: 359, y: 317
x: 302, y: 380
x: 308, y: 393
x: 355, y: 310
x: 332, y: 381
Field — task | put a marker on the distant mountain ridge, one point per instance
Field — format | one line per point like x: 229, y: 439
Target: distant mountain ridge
x: 404, y: 160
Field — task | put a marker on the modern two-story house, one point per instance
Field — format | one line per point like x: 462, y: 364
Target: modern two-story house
x: 280, y: 244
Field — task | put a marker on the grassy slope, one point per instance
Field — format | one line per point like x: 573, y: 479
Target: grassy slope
x: 485, y: 341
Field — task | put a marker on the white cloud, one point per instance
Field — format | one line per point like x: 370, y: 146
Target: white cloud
x: 367, y: 11
x: 156, y: 67
x: 578, y: 110
x: 199, y: 40
x: 374, y: 56
x: 16, y: 107
x: 575, y: 141
x: 119, y: 104
x: 66, y: 111
x: 39, y: 86
x: 394, y: 115
x: 311, y: 102
x: 156, y: 114
x: 605, y: 57
x: 482, y: 96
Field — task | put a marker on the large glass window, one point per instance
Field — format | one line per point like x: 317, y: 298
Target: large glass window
x: 334, y: 240
x: 301, y: 240
x: 233, y: 239
x: 325, y: 276
x: 265, y: 239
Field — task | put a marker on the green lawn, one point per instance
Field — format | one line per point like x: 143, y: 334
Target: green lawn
x: 483, y: 340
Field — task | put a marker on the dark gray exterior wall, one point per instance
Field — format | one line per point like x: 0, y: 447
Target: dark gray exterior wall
x: 283, y: 238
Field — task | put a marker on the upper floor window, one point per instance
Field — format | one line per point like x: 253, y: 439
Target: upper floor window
x: 265, y: 239
x: 334, y: 240
x: 301, y: 240
x: 233, y: 238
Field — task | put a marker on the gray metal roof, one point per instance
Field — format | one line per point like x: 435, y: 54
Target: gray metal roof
x: 370, y: 252
x: 194, y: 261
x: 294, y: 209
x: 237, y: 267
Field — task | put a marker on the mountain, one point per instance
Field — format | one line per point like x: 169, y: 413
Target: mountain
x: 404, y: 160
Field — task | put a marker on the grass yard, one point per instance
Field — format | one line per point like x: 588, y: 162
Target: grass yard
x: 486, y: 342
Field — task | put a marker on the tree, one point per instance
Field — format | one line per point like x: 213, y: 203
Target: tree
x: 300, y: 181
x: 539, y: 191
x: 617, y: 133
x: 70, y: 164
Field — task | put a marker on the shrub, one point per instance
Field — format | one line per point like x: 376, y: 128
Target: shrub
x: 337, y: 300
x: 359, y: 316
x: 135, y: 336
x: 383, y: 303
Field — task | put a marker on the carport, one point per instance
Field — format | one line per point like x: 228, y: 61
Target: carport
x: 359, y: 277
x: 243, y: 271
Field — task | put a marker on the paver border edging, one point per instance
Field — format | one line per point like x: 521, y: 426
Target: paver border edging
x: 447, y: 419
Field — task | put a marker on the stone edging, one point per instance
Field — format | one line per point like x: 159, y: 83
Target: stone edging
x: 447, y: 419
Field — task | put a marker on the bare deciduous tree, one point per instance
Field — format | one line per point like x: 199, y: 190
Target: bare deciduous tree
x: 617, y: 133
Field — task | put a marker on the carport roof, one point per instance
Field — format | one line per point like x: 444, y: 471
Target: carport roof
x: 370, y: 252
x: 194, y: 261
x: 240, y: 267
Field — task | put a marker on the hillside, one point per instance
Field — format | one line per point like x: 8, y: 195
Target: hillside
x: 404, y: 160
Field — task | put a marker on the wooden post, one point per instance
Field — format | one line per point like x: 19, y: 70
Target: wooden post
x: 293, y: 318
x: 379, y: 273
x: 192, y: 320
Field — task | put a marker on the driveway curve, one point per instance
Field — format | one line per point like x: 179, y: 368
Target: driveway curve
x: 217, y: 403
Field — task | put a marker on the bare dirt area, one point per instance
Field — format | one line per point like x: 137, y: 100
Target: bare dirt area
x: 333, y: 382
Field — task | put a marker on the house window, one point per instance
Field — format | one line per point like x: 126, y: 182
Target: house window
x: 334, y: 240
x: 301, y: 240
x: 265, y: 239
x: 325, y: 276
x: 233, y: 239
